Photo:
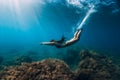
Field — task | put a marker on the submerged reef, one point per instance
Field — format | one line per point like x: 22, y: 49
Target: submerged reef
x: 92, y: 66
x: 45, y: 70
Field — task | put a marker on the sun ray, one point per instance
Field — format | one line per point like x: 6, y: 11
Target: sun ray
x: 19, y: 12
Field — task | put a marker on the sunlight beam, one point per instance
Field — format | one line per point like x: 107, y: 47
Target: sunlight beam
x: 18, y: 14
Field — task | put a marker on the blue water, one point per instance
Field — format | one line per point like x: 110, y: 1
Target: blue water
x: 26, y: 23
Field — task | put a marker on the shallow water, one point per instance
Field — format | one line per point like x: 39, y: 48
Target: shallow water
x: 26, y: 23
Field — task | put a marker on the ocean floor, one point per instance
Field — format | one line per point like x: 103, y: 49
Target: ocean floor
x: 91, y: 66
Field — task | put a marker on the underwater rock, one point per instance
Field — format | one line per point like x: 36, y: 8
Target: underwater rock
x: 94, y: 66
x: 45, y: 70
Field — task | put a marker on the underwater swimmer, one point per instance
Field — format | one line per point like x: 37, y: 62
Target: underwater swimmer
x: 57, y: 43
x: 61, y: 44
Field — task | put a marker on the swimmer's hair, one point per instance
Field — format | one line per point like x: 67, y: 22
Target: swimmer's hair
x: 63, y: 37
x: 52, y: 40
x: 41, y: 43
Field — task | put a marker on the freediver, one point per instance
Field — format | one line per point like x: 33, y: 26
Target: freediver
x: 57, y: 43
x: 61, y: 43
